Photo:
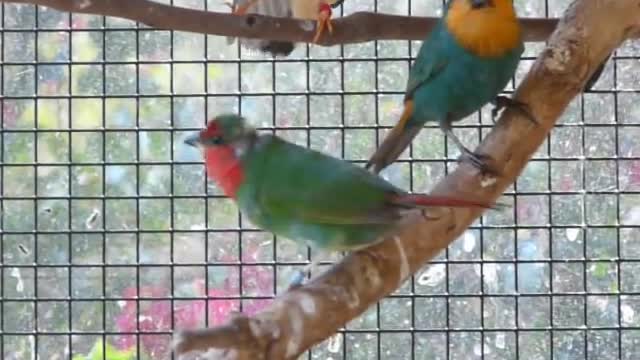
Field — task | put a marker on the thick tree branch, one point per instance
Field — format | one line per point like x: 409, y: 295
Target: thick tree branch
x: 298, y: 319
x: 354, y: 28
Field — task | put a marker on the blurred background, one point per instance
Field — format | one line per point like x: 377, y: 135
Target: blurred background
x: 112, y: 238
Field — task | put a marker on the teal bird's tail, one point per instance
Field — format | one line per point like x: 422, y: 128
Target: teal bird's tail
x: 396, y: 142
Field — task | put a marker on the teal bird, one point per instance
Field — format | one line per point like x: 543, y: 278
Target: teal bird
x: 464, y: 63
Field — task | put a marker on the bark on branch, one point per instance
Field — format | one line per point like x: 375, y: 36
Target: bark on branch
x: 355, y: 28
x: 298, y: 319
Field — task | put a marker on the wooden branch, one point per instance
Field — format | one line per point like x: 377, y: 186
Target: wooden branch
x: 298, y: 319
x: 355, y: 28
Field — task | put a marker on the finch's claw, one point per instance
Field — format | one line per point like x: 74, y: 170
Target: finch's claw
x: 297, y: 279
x: 299, y: 276
x: 426, y: 216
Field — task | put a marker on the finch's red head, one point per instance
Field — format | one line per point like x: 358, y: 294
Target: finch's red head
x: 224, y: 129
x: 212, y: 129
x: 217, y: 142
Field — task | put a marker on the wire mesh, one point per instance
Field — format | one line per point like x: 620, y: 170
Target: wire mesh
x: 112, y: 238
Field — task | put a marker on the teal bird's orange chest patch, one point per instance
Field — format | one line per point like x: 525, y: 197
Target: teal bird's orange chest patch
x: 485, y: 32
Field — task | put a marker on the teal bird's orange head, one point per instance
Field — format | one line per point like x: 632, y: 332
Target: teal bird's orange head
x: 223, y: 142
x: 487, y: 28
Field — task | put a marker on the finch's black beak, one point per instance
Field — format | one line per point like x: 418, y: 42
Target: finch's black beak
x: 193, y: 140
x: 479, y: 4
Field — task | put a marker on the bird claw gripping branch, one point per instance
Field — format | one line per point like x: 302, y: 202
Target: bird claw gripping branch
x: 502, y: 102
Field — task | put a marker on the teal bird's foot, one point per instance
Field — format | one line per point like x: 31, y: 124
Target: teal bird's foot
x: 502, y: 102
x: 480, y: 161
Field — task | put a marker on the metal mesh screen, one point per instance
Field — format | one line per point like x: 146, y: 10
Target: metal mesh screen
x: 112, y: 238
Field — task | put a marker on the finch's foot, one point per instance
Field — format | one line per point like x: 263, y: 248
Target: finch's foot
x: 425, y: 215
x: 502, y: 102
x: 298, y: 277
x: 374, y: 256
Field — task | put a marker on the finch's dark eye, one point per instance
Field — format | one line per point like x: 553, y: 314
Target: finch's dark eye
x: 217, y: 140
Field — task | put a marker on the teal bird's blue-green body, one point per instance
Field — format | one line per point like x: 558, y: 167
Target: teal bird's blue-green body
x: 465, y: 62
x: 466, y: 83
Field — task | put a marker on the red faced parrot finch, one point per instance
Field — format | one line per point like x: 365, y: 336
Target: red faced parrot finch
x: 463, y: 64
x: 302, y: 194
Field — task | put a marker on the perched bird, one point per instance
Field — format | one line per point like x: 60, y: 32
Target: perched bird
x: 302, y: 194
x: 319, y: 10
x: 276, y: 8
x: 464, y: 63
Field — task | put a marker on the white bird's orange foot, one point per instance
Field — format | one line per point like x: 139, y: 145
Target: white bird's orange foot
x: 324, y: 20
x: 241, y: 9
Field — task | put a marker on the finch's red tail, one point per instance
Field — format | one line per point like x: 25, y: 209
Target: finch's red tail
x: 422, y: 200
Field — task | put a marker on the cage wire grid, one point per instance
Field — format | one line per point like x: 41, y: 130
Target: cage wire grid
x: 111, y: 236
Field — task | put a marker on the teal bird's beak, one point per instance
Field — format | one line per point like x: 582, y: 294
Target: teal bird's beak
x: 479, y: 4
x: 193, y: 140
